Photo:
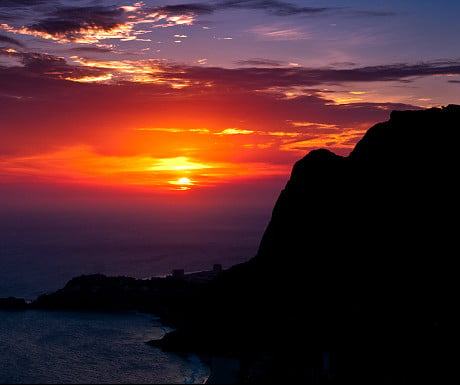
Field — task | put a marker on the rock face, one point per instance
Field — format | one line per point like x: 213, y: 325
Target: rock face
x: 356, y: 270
x: 365, y: 246
x: 385, y: 213
x: 355, y: 280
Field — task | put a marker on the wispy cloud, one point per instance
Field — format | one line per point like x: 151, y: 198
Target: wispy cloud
x: 279, y: 33
x: 91, y: 49
x: 269, y: 78
x: 91, y: 24
x: 272, y: 7
x: 48, y: 66
x: 242, y: 111
x: 266, y: 78
x: 235, y: 131
x: 174, y: 129
x: 185, y: 9
x: 20, y: 3
x: 278, y: 8
x: 260, y: 62
x: 9, y: 40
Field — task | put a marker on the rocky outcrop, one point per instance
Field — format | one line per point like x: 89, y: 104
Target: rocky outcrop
x: 167, y: 297
x: 356, y: 269
x: 355, y: 280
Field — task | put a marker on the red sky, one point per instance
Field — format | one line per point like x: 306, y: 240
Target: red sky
x: 179, y: 98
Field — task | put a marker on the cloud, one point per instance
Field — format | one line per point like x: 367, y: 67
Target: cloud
x: 125, y: 115
x: 71, y: 21
x: 90, y: 24
x: 20, y: 3
x: 186, y: 9
x: 9, y: 40
x: 13, y: 10
x: 46, y: 66
x: 278, y: 33
x: 84, y: 25
x: 272, y: 7
x: 235, y: 131
x: 92, y: 49
x: 270, y: 78
x: 256, y: 62
x: 281, y: 8
x: 278, y: 8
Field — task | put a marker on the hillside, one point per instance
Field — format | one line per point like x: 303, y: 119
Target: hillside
x: 355, y: 271
x: 355, y: 279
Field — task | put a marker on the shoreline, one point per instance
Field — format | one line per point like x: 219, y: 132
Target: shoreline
x: 223, y: 370
x: 219, y: 370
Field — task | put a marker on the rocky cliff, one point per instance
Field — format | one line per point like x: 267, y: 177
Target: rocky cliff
x: 355, y: 280
x: 356, y: 270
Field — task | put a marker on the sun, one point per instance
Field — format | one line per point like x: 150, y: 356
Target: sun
x: 182, y: 184
x: 184, y: 181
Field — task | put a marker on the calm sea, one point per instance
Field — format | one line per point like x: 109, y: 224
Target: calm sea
x: 41, y: 250
x: 38, y: 347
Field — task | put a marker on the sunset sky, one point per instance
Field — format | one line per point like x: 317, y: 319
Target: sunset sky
x: 171, y: 98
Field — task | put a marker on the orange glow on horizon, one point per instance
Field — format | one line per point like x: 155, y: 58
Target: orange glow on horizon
x: 81, y: 165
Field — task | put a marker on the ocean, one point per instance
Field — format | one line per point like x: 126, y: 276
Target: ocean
x: 52, y: 347
x: 41, y: 250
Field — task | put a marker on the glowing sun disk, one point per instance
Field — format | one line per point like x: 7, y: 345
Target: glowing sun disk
x: 184, y: 181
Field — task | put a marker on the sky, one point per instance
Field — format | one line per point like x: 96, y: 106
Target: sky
x: 208, y: 100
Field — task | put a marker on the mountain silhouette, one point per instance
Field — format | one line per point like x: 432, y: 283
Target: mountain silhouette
x: 354, y: 280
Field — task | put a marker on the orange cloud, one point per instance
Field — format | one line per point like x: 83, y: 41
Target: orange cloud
x: 80, y: 164
x: 89, y: 79
x: 137, y: 71
x: 86, y: 35
x: 174, y: 130
x: 344, y: 139
x: 234, y: 131
x: 170, y: 20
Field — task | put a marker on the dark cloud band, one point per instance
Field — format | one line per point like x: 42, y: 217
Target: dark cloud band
x: 69, y: 21
x: 9, y: 40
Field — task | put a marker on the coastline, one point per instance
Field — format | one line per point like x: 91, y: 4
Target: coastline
x: 223, y: 370
x: 106, y: 292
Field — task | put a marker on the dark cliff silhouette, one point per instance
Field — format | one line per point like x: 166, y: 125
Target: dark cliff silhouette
x: 355, y: 280
x: 356, y: 270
